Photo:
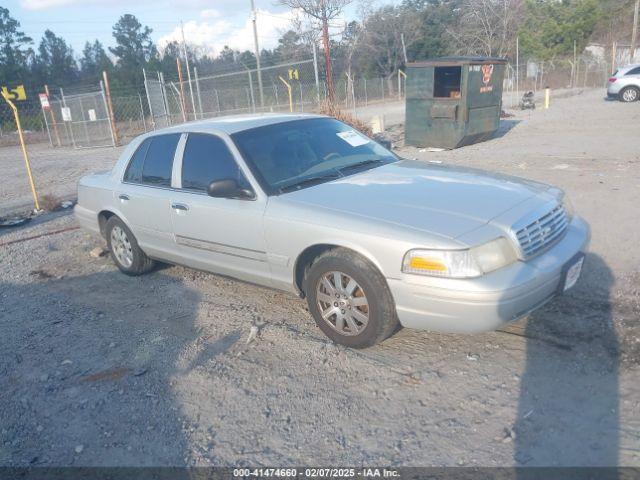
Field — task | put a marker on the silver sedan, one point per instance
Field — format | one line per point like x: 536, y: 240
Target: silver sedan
x: 306, y: 204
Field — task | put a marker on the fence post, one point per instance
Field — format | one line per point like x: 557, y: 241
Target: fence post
x: 195, y: 73
x: 144, y: 122
x: 401, y: 74
x: 106, y: 107
x: 315, y: 71
x: 217, y: 99
x: 253, y: 101
x: 68, y: 127
x: 165, y: 97
x: 301, y: 97
x: 114, y: 129
x: 46, y: 123
x: 146, y: 89
x: 84, y: 122
x: 53, y: 117
x: 382, y: 88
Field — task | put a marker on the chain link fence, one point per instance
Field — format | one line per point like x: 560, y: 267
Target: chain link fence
x: 80, y: 117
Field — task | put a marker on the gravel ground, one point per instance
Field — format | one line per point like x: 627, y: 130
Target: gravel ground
x: 185, y: 368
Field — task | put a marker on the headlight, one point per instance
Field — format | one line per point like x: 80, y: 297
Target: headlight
x: 472, y: 262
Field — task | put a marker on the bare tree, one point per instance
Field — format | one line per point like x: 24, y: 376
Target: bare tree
x: 324, y: 11
x: 488, y: 27
x: 381, y: 39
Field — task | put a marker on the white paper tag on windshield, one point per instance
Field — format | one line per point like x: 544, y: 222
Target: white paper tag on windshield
x: 353, y: 138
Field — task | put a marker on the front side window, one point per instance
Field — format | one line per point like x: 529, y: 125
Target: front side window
x: 298, y: 153
x: 207, y: 159
x: 158, y: 162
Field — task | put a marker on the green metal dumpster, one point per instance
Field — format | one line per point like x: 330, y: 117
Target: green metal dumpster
x: 453, y: 101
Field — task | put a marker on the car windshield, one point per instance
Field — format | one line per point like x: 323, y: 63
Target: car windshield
x: 301, y: 153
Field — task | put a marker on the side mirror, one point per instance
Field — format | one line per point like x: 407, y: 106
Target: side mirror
x: 229, y: 188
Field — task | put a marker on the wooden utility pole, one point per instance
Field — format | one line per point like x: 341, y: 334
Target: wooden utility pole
x: 182, y: 102
x: 634, y: 32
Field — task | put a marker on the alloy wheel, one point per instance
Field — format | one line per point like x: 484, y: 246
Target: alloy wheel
x: 121, y: 247
x: 630, y: 95
x: 342, y: 303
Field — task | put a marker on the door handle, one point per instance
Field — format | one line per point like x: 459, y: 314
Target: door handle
x: 123, y: 196
x: 179, y: 206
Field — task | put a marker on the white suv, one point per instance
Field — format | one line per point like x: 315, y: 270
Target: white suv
x: 625, y: 84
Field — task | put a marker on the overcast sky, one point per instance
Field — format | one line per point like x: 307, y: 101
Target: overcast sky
x: 213, y: 23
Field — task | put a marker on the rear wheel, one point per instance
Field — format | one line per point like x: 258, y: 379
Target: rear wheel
x: 124, y: 249
x: 629, y: 94
x: 349, y: 299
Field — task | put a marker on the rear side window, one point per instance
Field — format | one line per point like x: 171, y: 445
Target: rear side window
x: 206, y: 159
x: 633, y: 71
x: 133, y: 174
x: 158, y: 161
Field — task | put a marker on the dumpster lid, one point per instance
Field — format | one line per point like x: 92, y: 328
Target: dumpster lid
x: 456, y: 60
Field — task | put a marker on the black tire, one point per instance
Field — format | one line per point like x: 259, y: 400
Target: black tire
x: 140, y: 263
x: 381, y: 311
x: 629, y: 94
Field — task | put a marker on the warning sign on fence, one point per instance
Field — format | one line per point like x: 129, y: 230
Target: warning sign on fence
x: 92, y: 115
x: 44, y: 100
x: 66, y: 114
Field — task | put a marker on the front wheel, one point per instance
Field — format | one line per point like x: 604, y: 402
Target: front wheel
x: 629, y: 94
x: 124, y: 249
x: 349, y: 299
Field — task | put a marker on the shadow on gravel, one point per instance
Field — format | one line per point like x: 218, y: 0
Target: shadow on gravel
x: 568, y: 407
x: 506, y: 124
x: 86, y: 372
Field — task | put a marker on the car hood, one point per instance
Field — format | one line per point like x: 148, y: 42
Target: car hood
x: 442, y: 200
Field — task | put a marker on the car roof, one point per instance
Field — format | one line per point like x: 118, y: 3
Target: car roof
x: 236, y: 123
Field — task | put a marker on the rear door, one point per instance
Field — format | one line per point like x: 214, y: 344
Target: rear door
x: 144, y: 194
x: 224, y: 235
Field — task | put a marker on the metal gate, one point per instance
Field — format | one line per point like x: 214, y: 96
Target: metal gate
x: 80, y: 120
x: 157, y: 98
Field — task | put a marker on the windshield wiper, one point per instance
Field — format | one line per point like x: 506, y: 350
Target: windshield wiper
x: 370, y: 161
x: 309, y: 181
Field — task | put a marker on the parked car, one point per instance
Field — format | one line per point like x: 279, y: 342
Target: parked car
x: 624, y: 84
x: 305, y: 204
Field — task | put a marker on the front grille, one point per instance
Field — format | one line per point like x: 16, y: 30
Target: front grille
x: 540, y: 234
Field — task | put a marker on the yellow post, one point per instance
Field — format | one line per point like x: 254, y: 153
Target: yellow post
x: 290, y: 94
x: 24, y: 150
x: 546, y: 98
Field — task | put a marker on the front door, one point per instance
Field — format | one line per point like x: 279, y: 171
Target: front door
x: 222, y: 235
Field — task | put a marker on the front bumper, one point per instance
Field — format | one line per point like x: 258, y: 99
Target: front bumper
x: 486, y: 303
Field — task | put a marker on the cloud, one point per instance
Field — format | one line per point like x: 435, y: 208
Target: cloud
x: 210, y: 13
x: 212, y: 36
